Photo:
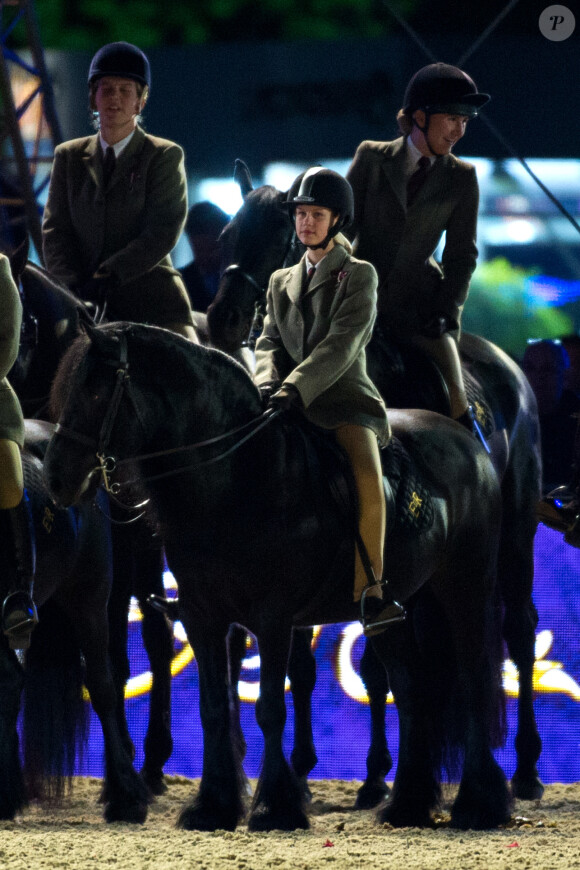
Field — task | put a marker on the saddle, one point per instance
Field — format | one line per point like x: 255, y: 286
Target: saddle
x: 409, y: 503
x: 408, y: 378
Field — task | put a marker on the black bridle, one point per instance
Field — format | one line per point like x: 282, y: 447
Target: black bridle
x: 234, y: 269
x: 108, y: 464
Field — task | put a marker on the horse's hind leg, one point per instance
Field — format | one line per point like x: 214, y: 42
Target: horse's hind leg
x: 519, y: 632
x: 474, y: 615
x: 12, y: 791
x: 379, y: 760
x: 416, y: 789
x: 157, y: 636
x: 302, y: 675
x: 516, y: 572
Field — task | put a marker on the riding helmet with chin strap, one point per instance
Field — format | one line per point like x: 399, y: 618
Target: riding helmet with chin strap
x: 325, y: 188
x: 442, y: 88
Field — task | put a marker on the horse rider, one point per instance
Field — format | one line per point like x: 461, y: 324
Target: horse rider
x: 117, y: 203
x: 311, y: 356
x: 19, y: 615
x: 407, y: 193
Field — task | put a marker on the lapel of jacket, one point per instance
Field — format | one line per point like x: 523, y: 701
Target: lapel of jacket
x: 128, y: 161
x: 330, y: 265
x: 329, y: 268
x: 294, y: 281
x: 394, y: 169
x: 92, y: 159
x: 437, y: 180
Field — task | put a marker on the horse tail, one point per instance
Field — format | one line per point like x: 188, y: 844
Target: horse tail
x: 54, y: 716
x: 12, y: 790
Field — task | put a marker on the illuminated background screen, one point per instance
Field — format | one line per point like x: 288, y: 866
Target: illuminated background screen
x: 340, y: 711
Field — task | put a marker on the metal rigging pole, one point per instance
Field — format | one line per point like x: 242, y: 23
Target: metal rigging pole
x: 25, y: 90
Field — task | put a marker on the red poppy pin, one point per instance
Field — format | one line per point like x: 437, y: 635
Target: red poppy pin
x: 340, y: 276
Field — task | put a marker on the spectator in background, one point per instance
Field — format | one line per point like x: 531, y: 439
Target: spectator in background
x: 546, y: 364
x: 572, y: 375
x: 204, y: 224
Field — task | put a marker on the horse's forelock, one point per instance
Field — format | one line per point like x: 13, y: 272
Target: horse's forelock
x: 253, y: 222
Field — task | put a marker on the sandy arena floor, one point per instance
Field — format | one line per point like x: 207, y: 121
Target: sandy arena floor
x: 542, y: 835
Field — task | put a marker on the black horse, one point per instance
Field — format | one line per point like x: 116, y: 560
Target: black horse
x: 259, y: 240
x: 72, y: 583
x: 255, y: 534
x: 52, y: 318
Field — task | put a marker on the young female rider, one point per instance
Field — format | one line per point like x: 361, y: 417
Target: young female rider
x: 16, y: 542
x: 311, y: 354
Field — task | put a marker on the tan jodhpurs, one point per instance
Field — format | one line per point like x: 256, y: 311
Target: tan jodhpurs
x: 11, y: 480
x: 445, y: 352
x: 360, y: 444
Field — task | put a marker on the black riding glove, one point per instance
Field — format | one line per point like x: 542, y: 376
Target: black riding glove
x: 98, y: 288
x: 266, y: 392
x: 286, y: 399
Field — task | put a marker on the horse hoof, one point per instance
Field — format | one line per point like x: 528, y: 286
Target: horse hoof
x: 154, y: 781
x: 527, y: 789
x: 123, y: 812
x: 263, y: 820
x: 197, y: 818
x: 404, y: 817
x: 370, y: 795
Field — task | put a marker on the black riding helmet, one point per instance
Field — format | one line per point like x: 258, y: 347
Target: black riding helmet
x: 121, y: 59
x: 440, y: 87
x: 328, y: 189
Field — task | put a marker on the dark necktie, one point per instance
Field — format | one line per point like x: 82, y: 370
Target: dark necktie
x: 417, y: 178
x: 309, y: 274
x: 108, y: 165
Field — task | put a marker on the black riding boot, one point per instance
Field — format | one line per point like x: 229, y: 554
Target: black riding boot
x: 19, y: 614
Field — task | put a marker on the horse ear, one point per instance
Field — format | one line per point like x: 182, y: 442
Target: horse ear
x: 243, y: 177
x: 102, y: 341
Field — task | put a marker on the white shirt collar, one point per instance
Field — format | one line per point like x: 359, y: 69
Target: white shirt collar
x: 414, y: 155
x: 118, y: 146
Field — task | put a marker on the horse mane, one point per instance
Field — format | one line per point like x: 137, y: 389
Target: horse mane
x: 219, y: 369
x: 65, y: 374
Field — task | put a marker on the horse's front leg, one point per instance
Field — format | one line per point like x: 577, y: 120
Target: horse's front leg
x: 125, y: 794
x: 379, y: 761
x: 278, y: 802
x: 218, y: 804
x: 302, y: 675
x: 157, y: 634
